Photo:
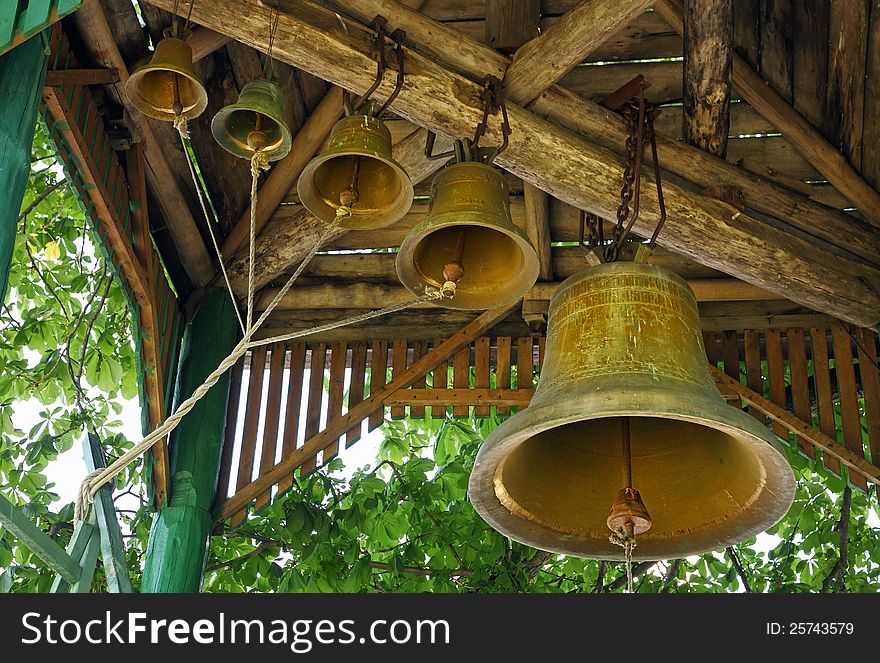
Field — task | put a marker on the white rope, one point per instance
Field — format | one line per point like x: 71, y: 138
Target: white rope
x: 260, y: 161
x: 192, y: 172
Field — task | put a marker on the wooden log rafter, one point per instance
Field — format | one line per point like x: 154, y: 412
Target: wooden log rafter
x: 562, y: 163
x: 808, y: 140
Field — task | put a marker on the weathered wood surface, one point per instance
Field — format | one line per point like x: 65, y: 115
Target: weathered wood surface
x: 568, y: 166
x: 807, y: 138
x: 546, y: 58
x: 511, y: 23
x: 708, y: 62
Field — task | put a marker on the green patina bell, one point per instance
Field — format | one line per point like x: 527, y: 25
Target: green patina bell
x: 255, y: 122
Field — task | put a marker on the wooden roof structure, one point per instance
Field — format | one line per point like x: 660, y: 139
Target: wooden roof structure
x: 774, y: 213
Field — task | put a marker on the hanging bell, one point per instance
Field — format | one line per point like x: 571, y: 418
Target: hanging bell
x: 168, y: 87
x: 469, y: 238
x: 625, y: 352
x: 254, y: 122
x: 356, y: 180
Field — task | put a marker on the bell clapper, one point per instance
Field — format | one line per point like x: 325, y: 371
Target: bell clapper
x: 257, y: 139
x: 629, y: 516
x: 453, y: 271
x: 350, y: 195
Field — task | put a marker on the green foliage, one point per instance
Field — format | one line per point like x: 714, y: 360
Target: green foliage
x: 66, y: 356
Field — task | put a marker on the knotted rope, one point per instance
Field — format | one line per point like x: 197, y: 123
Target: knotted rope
x: 622, y: 539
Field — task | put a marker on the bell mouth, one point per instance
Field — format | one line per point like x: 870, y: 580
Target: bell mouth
x: 234, y: 127
x: 705, y: 484
x: 385, y: 192
x: 497, y: 268
x: 152, y: 91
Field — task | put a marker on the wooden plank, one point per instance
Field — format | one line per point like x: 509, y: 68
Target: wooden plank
x: 88, y: 563
x: 399, y: 354
x: 251, y: 423
x: 481, y: 371
x: 336, y: 391
x: 460, y: 339
x: 296, y: 377
x: 461, y: 374
x: 511, y: 23
x: 776, y: 375
x: 111, y: 544
x: 479, y: 398
x: 708, y: 63
x: 76, y: 549
x: 776, y: 56
x: 730, y: 354
x: 440, y: 380
x: 271, y: 414
x: 420, y: 349
x: 800, y: 387
x: 746, y: 30
x: 871, y: 131
x: 81, y: 77
x: 810, y: 61
x: 824, y: 397
x: 847, y: 55
x: 711, y: 341
x: 870, y: 380
x: 754, y: 381
x: 378, y: 376
x: 537, y: 215
x: 849, y: 398
x: 862, y: 468
x: 524, y: 363
x: 318, y: 360
x: 356, y: 386
x: 20, y: 527
x: 502, y: 370
x: 225, y: 475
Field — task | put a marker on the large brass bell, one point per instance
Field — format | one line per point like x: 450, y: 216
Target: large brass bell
x: 469, y: 236
x: 624, y: 352
x: 168, y: 87
x: 356, y: 180
x: 254, y: 122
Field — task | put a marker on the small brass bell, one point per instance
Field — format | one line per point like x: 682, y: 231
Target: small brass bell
x: 254, y: 122
x: 625, y: 360
x: 469, y: 238
x: 168, y: 87
x: 356, y: 180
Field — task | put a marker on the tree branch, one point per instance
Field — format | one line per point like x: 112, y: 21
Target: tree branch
x: 241, y: 558
x: 740, y: 570
x: 839, y: 570
x: 599, y: 587
x: 671, y: 572
x: 638, y: 569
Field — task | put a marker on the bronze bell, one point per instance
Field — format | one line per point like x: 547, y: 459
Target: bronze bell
x: 254, y: 122
x: 168, y: 86
x: 356, y: 180
x: 625, y: 352
x: 469, y: 237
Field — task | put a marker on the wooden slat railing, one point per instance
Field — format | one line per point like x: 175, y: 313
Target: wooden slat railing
x: 807, y: 373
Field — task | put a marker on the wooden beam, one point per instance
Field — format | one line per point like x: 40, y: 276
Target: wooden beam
x: 486, y: 397
x: 833, y: 165
x: 359, y: 412
x: 606, y: 128
x: 204, y: 42
x: 537, y: 206
x: 800, y: 428
x: 59, y: 77
x: 564, y: 164
x: 38, y: 542
x: 544, y: 60
x: 511, y: 23
x: 708, y: 61
x: 194, y: 254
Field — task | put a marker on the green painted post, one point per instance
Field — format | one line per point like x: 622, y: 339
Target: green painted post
x: 178, y: 540
x: 22, y: 71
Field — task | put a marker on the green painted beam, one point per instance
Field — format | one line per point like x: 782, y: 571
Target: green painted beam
x: 112, y: 547
x: 78, y: 548
x: 22, y: 71
x: 37, y: 541
x: 177, y: 548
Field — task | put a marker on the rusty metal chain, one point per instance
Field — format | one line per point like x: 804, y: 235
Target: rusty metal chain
x: 379, y: 26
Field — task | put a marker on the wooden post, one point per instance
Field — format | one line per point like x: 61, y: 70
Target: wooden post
x: 708, y: 63
x: 21, y: 85
x: 176, y: 552
x: 511, y: 23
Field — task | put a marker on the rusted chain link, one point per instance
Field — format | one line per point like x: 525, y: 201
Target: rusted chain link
x: 378, y: 25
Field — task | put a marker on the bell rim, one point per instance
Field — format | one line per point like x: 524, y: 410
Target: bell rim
x: 273, y: 155
x: 405, y: 254
x: 148, y: 67
x: 769, y: 506
x: 350, y: 223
